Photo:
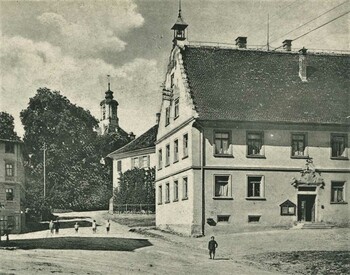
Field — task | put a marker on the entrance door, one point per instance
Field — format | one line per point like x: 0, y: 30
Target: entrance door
x: 306, y: 208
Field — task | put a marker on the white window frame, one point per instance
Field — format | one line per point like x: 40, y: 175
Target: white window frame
x: 261, y: 189
x: 229, y: 182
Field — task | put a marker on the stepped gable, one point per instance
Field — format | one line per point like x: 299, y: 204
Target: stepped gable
x: 252, y: 85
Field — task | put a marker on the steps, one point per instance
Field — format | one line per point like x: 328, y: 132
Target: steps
x: 316, y: 225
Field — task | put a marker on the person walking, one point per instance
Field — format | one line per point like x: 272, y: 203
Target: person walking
x: 94, y: 226
x: 57, y: 226
x: 76, y: 227
x: 212, y: 247
x: 51, y: 227
x: 108, y: 226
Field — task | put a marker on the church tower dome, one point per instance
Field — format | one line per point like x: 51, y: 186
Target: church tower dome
x: 109, y: 121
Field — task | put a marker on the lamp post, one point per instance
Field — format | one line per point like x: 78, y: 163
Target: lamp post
x: 44, y: 163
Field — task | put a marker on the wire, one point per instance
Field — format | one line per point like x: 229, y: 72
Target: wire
x: 309, y: 21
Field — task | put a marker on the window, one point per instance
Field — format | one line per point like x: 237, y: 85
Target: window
x: 145, y: 162
x: 255, y: 187
x: 176, y: 150
x: 185, y: 145
x: 167, y: 192
x: 172, y: 80
x: 253, y: 218
x: 176, y: 190
x: 298, y: 145
x: 9, y: 194
x: 222, y: 143
x: 9, y: 170
x: 184, y: 188
x: 338, y: 145
x: 160, y: 159
x: 337, y: 189
x: 167, y: 116
x: 167, y: 155
x: 119, y: 166
x: 9, y: 147
x: 255, y: 143
x: 103, y: 111
x: 160, y: 194
x: 222, y: 186
x: 223, y: 218
x: 176, y: 108
x: 135, y: 163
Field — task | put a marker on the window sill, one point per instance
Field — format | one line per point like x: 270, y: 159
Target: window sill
x: 176, y: 117
x: 222, y: 198
x: 185, y: 198
x: 159, y: 169
x: 340, y: 158
x: 341, y: 202
x: 223, y: 156
x: 175, y: 161
x: 160, y: 203
x: 167, y: 202
x: 299, y: 157
x: 175, y: 200
x: 167, y: 165
x: 167, y: 124
x: 256, y: 156
x: 255, y: 199
x: 185, y: 157
x: 288, y: 214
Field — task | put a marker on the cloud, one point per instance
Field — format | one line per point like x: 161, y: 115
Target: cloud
x: 27, y: 65
x: 86, y: 29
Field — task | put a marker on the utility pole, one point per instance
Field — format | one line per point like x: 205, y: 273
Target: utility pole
x: 44, y: 162
x: 268, y: 32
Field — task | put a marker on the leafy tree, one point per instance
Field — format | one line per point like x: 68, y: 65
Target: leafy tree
x: 75, y: 179
x: 136, y: 186
x: 7, y: 129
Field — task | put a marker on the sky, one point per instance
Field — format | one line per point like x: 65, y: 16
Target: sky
x: 71, y: 46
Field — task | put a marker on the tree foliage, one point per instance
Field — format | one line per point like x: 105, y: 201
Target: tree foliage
x: 7, y: 127
x: 136, y: 186
x: 75, y: 178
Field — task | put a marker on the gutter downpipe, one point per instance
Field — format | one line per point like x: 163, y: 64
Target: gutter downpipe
x: 202, y: 163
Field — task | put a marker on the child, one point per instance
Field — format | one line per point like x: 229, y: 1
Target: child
x: 212, y: 246
x: 51, y: 227
x: 108, y: 226
x: 94, y: 226
x: 76, y: 227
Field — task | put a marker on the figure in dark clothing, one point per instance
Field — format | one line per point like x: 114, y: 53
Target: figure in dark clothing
x: 57, y: 226
x: 212, y: 246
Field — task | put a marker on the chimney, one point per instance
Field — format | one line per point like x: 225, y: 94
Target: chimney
x: 131, y: 135
x: 287, y: 45
x: 157, y: 118
x: 241, y: 42
x: 302, y: 64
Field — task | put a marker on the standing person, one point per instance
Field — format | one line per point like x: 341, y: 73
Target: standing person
x: 212, y: 246
x: 76, y: 227
x: 51, y: 227
x: 57, y: 226
x: 108, y: 226
x: 94, y: 226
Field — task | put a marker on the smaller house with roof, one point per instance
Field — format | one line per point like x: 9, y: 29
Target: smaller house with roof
x: 139, y: 153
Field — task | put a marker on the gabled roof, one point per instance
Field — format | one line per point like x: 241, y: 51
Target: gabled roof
x: 146, y: 140
x: 251, y: 85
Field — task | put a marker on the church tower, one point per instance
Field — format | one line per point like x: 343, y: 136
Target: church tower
x: 109, y: 121
x: 180, y: 30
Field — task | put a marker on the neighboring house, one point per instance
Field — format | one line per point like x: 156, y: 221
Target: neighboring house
x: 11, y: 186
x: 139, y: 153
x: 237, y: 132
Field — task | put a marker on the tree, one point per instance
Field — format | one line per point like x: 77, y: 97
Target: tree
x: 136, y: 186
x: 7, y: 129
x: 75, y: 179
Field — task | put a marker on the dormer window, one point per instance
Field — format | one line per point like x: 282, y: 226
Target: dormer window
x: 9, y: 147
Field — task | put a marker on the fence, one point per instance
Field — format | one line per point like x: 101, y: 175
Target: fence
x: 135, y: 208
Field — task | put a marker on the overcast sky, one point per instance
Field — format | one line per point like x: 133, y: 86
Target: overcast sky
x: 71, y: 46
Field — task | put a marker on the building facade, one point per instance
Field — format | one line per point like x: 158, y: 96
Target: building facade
x: 12, y: 186
x: 251, y: 138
